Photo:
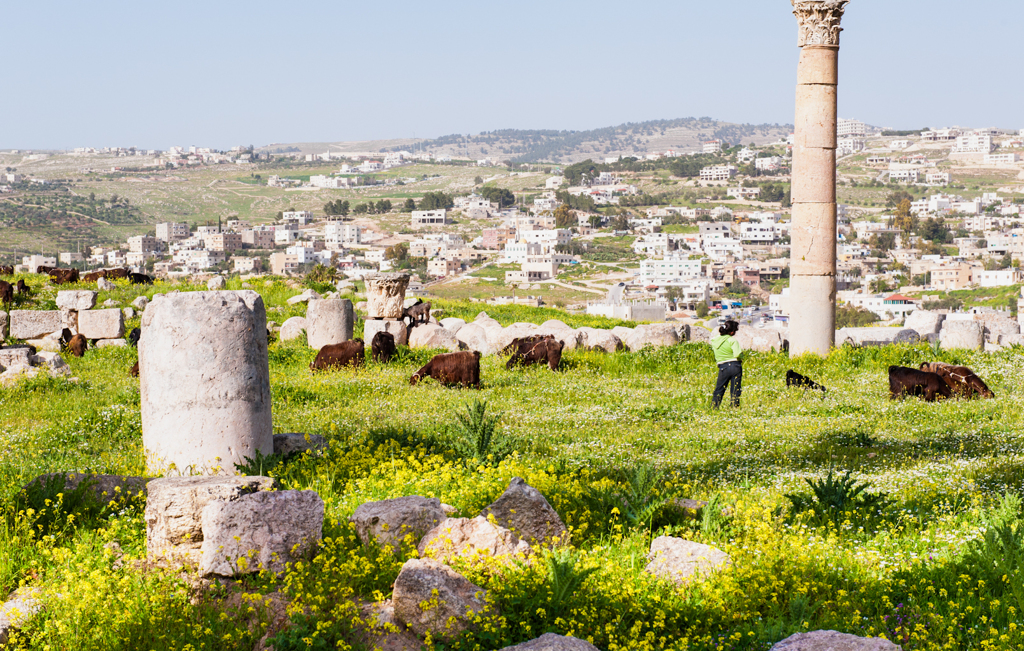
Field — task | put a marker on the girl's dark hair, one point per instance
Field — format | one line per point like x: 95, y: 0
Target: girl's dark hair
x: 730, y: 327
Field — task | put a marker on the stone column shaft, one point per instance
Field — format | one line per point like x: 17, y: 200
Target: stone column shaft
x: 813, y: 246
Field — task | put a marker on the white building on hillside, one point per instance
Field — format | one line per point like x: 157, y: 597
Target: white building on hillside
x: 718, y: 173
x: 973, y: 143
x: 422, y: 218
x: 849, y: 128
x: 671, y: 270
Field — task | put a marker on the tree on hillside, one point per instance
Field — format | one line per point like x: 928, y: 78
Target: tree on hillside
x: 564, y: 217
x: 849, y: 316
x: 409, y: 205
x: 478, y: 180
x: 436, y: 201
x: 398, y: 252
x: 620, y: 223
x: 904, y: 219
x: 894, y: 199
x: 501, y: 196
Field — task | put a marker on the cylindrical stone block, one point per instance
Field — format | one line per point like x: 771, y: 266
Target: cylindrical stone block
x: 814, y: 175
x: 328, y: 322
x: 818, y: 65
x: 812, y: 229
x: 385, y: 295
x: 812, y: 314
x: 815, y: 123
x: 205, y: 382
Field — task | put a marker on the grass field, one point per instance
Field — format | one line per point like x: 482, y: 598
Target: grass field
x: 610, y: 439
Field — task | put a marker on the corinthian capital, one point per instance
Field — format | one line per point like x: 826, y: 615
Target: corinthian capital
x: 819, y: 21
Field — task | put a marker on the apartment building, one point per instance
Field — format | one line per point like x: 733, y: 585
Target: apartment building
x: 226, y: 242
x: 144, y: 244
x: 172, y: 232
x: 258, y: 239
x: 957, y: 275
x: 850, y: 128
x: 421, y: 218
x: 973, y: 143
x: 336, y: 236
x: 711, y: 146
x: 496, y: 238
x: 718, y: 173
x: 671, y: 270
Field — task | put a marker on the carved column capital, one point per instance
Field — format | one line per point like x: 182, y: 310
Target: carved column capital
x: 819, y: 21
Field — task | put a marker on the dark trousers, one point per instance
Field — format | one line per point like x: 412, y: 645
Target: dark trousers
x: 730, y: 373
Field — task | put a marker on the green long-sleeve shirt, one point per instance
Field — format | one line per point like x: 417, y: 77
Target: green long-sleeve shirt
x: 726, y: 348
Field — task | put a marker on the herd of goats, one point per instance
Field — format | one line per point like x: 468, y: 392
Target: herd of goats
x: 933, y: 380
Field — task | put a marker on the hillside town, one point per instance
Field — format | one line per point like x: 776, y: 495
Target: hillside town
x: 688, y: 259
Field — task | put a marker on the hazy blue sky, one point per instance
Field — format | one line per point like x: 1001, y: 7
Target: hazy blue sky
x: 220, y: 73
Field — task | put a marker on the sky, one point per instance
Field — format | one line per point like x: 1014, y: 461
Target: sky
x: 222, y: 73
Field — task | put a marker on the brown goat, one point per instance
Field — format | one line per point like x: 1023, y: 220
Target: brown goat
x: 535, y: 349
x: 449, y: 369
x: 347, y: 353
x: 962, y: 381
x: 905, y: 381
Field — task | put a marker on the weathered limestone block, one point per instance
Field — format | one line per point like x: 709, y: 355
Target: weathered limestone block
x: 52, y: 362
x: 761, y: 339
x: 385, y: 294
x: 295, y: 443
x: 140, y: 303
x: 875, y: 336
x: 657, y: 335
x: 452, y: 324
x: 474, y: 337
x: 470, y: 537
x: 34, y: 324
x: 677, y: 559
x: 962, y: 334
x: 457, y: 600
x: 388, y: 522
x: 174, y: 509
x: 500, y: 338
x: 105, y: 285
x: 996, y: 326
x: 924, y: 322
x: 129, y: 312
x: 111, y: 343
x: 834, y: 641
x: 569, y: 337
x: 305, y: 297
x: 20, y: 606
x: 205, y: 382
x: 622, y: 332
x: 528, y: 514
x: 265, y: 530
x: 101, y: 324
x: 328, y: 322
x: 4, y: 322
x: 699, y: 333
x: 597, y: 338
x: 396, y: 328
x: 216, y: 283
x: 15, y: 356
x: 293, y: 328
x: 429, y: 335
x: 76, y: 299
x: 553, y: 642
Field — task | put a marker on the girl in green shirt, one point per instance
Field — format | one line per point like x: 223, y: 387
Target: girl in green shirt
x: 730, y: 370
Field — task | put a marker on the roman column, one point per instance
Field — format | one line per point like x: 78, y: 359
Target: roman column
x: 812, y: 303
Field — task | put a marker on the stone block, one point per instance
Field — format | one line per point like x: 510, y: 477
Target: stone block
x: 20, y: 607
x: 304, y: 297
x: 174, y: 509
x: 591, y: 338
x: 457, y: 600
x: 205, y: 382
x: 216, y: 283
x: 924, y: 322
x: 527, y: 513
x: 104, y: 285
x: 52, y: 362
x: 452, y: 324
x: 4, y: 322
x: 677, y: 559
x: 76, y: 299
x: 264, y: 530
x: 429, y: 335
x: 962, y: 334
x: 553, y: 642
x: 833, y: 641
x: 34, y: 324
x: 761, y: 339
x: 101, y: 324
x: 292, y: 328
x: 657, y: 335
x: 388, y: 522
x: 385, y: 294
x: 474, y: 337
x: 140, y: 303
x: 396, y: 328
x: 473, y: 537
x: 15, y: 356
x: 111, y: 343
x: 329, y: 322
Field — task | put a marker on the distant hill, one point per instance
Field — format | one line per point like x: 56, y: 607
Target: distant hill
x: 630, y: 139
